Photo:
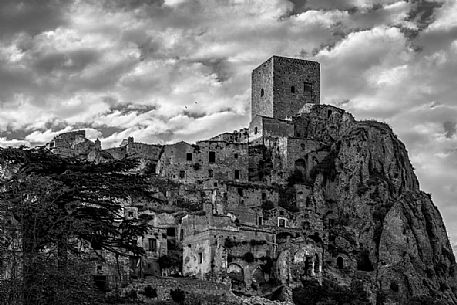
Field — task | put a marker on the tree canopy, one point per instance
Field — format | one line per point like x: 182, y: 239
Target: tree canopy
x: 67, y: 206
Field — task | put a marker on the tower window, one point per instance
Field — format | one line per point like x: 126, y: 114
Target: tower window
x: 182, y: 174
x: 236, y: 156
x: 200, y: 257
x: 292, y: 89
x: 255, y: 130
x: 212, y: 157
x: 189, y: 156
x: 262, y: 93
x: 237, y: 174
x: 307, y: 87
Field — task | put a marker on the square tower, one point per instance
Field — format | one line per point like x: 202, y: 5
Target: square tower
x: 281, y: 86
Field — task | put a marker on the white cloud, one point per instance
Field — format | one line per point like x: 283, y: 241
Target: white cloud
x: 181, y: 71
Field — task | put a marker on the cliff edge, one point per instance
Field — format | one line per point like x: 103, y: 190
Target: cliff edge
x: 388, y: 232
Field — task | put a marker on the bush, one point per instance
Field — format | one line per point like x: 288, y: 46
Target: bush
x: 131, y: 295
x: 178, y: 295
x: 172, y: 260
x: 423, y: 300
x: 150, y: 292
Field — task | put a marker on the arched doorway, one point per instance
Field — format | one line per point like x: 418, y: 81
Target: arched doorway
x: 236, y: 274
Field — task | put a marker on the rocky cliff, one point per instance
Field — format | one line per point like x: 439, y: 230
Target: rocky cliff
x: 390, y: 231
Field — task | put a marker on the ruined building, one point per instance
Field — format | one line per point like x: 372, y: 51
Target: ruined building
x: 305, y: 193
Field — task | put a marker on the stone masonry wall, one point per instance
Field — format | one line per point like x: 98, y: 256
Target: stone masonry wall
x: 230, y: 159
x: 262, y: 79
x: 289, y: 94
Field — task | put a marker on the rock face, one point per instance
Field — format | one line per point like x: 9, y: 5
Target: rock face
x: 387, y: 230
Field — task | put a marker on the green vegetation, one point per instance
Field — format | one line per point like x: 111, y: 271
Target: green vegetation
x: 56, y: 204
x: 172, y: 260
x: 149, y: 292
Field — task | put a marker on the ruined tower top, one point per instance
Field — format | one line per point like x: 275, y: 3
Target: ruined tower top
x: 281, y: 86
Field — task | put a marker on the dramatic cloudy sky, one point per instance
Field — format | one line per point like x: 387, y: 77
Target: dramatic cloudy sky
x: 163, y: 71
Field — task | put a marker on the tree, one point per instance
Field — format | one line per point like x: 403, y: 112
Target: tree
x: 58, y: 204
x: 178, y: 295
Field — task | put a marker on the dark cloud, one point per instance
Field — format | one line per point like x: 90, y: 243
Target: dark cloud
x: 73, y: 61
x: 194, y: 115
x: 219, y: 66
x: 31, y: 16
x: 422, y: 12
x: 303, y: 5
x: 449, y: 128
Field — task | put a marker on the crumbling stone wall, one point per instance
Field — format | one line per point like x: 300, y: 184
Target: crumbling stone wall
x: 237, y: 136
x: 72, y: 144
x: 207, y: 160
x: 263, y: 129
x: 117, y: 153
x: 262, y: 90
x: 299, y: 259
x: 130, y: 148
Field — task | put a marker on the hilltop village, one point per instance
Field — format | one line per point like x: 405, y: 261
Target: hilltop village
x: 247, y: 218
x: 305, y: 193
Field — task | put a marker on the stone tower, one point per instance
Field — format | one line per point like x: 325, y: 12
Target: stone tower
x: 281, y: 86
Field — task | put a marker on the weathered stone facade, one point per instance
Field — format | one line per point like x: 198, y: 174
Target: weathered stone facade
x: 204, y: 161
x: 282, y: 86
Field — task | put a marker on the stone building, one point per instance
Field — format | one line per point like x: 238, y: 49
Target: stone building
x: 204, y: 161
x: 215, y: 246
x: 282, y: 86
x: 73, y: 144
x: 130, y: 148
x: 237, y: 136
x: 252, y: 213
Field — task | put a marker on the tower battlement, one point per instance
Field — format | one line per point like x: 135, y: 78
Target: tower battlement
x: 281, y: 86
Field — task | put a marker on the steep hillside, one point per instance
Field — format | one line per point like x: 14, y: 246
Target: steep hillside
x: 392, y: 234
